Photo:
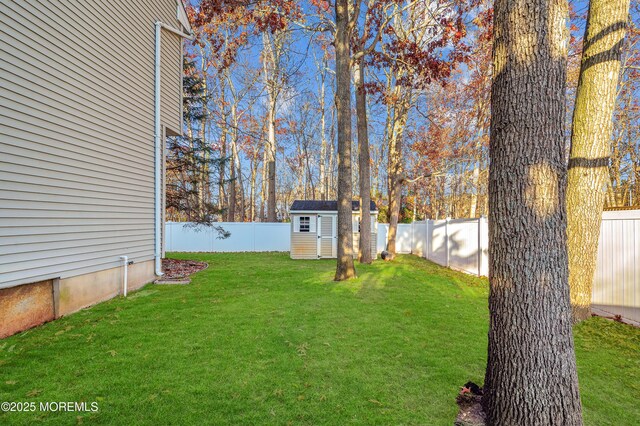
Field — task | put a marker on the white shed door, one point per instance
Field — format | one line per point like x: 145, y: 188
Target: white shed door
x: 327, y: 238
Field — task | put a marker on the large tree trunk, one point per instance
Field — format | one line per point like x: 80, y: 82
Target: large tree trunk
x: 590, y: 144
x: 272, y: 47
x: 364, y: 246
x: 271, y: 163
x: 323, y: 129
x: 396, y: 168
x: 223, y: 149
x: 531, y: 376
x: 345, y: 268
x: 254, y: 178
x: 231, y: 212
x: 263, y: 187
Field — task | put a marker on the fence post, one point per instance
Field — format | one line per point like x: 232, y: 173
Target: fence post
x: 427, y: 240
x: 483, y: 244
x: 446, y: 238
x: 167, y: 236
x: 412, y: 240
x: 480, y: 246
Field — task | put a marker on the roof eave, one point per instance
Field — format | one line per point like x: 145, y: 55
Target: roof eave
x: 183, y: 18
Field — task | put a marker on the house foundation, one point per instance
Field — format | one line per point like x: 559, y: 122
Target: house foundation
x: 29, y: 305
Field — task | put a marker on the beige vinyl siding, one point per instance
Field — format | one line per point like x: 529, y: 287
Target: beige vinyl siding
x: 76, y: 133
x: 304, y: 245
x: 356, y: 244
x: 326, y: 247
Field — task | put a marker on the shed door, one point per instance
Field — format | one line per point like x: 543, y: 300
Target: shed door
x: 327, y: 238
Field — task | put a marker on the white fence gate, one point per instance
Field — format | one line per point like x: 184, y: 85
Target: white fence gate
x: 460, y: 244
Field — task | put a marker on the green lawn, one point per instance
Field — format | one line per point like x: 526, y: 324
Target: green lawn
x: 262, y: 339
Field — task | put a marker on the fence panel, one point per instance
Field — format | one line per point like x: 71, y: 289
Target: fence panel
x: 419, y: 238
x: 185, y: 237
x: 383, y: 230
x: 616, y: 286
x: 272, y: 237
x: 459, y: 244
x: 465, y: 249
x: 403, y: 238
x: 438, y: 247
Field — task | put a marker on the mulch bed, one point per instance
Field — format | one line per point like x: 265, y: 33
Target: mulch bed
x: 175, y: 269
x: 470, y: 402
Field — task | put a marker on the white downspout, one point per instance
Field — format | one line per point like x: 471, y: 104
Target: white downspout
x: 125, y: 265
x: 158, y: 144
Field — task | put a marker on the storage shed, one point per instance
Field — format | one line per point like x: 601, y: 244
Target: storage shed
x: 314, y: 229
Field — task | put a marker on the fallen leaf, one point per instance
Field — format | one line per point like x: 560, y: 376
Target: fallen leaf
x: 34, y: 392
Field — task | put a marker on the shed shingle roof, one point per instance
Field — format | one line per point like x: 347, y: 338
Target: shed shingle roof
x: 325, y: 206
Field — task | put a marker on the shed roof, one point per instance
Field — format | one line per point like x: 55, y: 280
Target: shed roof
x: 325, y: 206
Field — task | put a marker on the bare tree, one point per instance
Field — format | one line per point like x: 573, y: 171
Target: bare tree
x: 345, y: 268
x: 274, y: 45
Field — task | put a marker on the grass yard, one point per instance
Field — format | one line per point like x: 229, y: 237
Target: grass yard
x: 262, y: 339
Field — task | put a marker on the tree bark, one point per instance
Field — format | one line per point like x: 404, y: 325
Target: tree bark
x: 253, y: 180
x: 330, y: 175
x: 223, y: 149
x: 271, y: 163
x: 364, y: 246
x: 231, y: 211
x: 323, y: 129
x: 396, y: 168
x: 345, y: 268
x: 531, y: 376
x: 263, y: 187
x: 590, y: 144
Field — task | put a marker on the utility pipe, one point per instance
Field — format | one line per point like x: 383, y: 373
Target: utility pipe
x: 125, y: 265
x: 158, y: 143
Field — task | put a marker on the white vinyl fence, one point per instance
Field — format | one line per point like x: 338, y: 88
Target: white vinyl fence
x: 616, y: 286
x: 460, y: 244
x: 463, y: 245
x: 186, y: 237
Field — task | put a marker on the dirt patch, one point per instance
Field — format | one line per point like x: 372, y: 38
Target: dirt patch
x: 470, y: 403
x: 175, y: 269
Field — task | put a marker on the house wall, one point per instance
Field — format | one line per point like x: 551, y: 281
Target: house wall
x: 29, y: 305
x: 76, y: 134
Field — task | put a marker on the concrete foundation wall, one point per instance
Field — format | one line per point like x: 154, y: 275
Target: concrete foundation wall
x: 29, y: 305
x: 79, y: 292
